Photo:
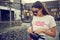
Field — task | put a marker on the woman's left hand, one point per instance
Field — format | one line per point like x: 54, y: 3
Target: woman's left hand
x: 38, y: 31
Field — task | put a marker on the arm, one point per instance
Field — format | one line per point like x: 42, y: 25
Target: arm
x: 51, y: 32
x: 29, y: 30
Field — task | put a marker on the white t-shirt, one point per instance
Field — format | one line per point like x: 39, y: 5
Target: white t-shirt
x: 46, y: 22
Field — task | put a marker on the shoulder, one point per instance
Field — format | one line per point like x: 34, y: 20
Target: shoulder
x: 34, y: 17
x: 49, y: 16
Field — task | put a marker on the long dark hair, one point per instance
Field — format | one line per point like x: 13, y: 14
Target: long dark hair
x: 39, y: 5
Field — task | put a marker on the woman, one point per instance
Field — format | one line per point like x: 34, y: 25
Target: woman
x: 42, y: 23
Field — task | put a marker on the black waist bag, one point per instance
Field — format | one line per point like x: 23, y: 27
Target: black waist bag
x: 35, y: 36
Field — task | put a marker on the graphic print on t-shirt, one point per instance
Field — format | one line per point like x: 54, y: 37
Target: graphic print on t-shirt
x: 40, y: 23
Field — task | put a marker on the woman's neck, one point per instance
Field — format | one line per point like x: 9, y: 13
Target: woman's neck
x: 41, y: 15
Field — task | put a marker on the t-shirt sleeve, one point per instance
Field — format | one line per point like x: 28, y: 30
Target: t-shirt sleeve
x: 52, y: 22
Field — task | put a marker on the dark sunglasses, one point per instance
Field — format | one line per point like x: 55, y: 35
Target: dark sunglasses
x: 35, y: 12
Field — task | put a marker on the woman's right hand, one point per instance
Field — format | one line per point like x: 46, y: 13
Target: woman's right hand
x: 29, y: 30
